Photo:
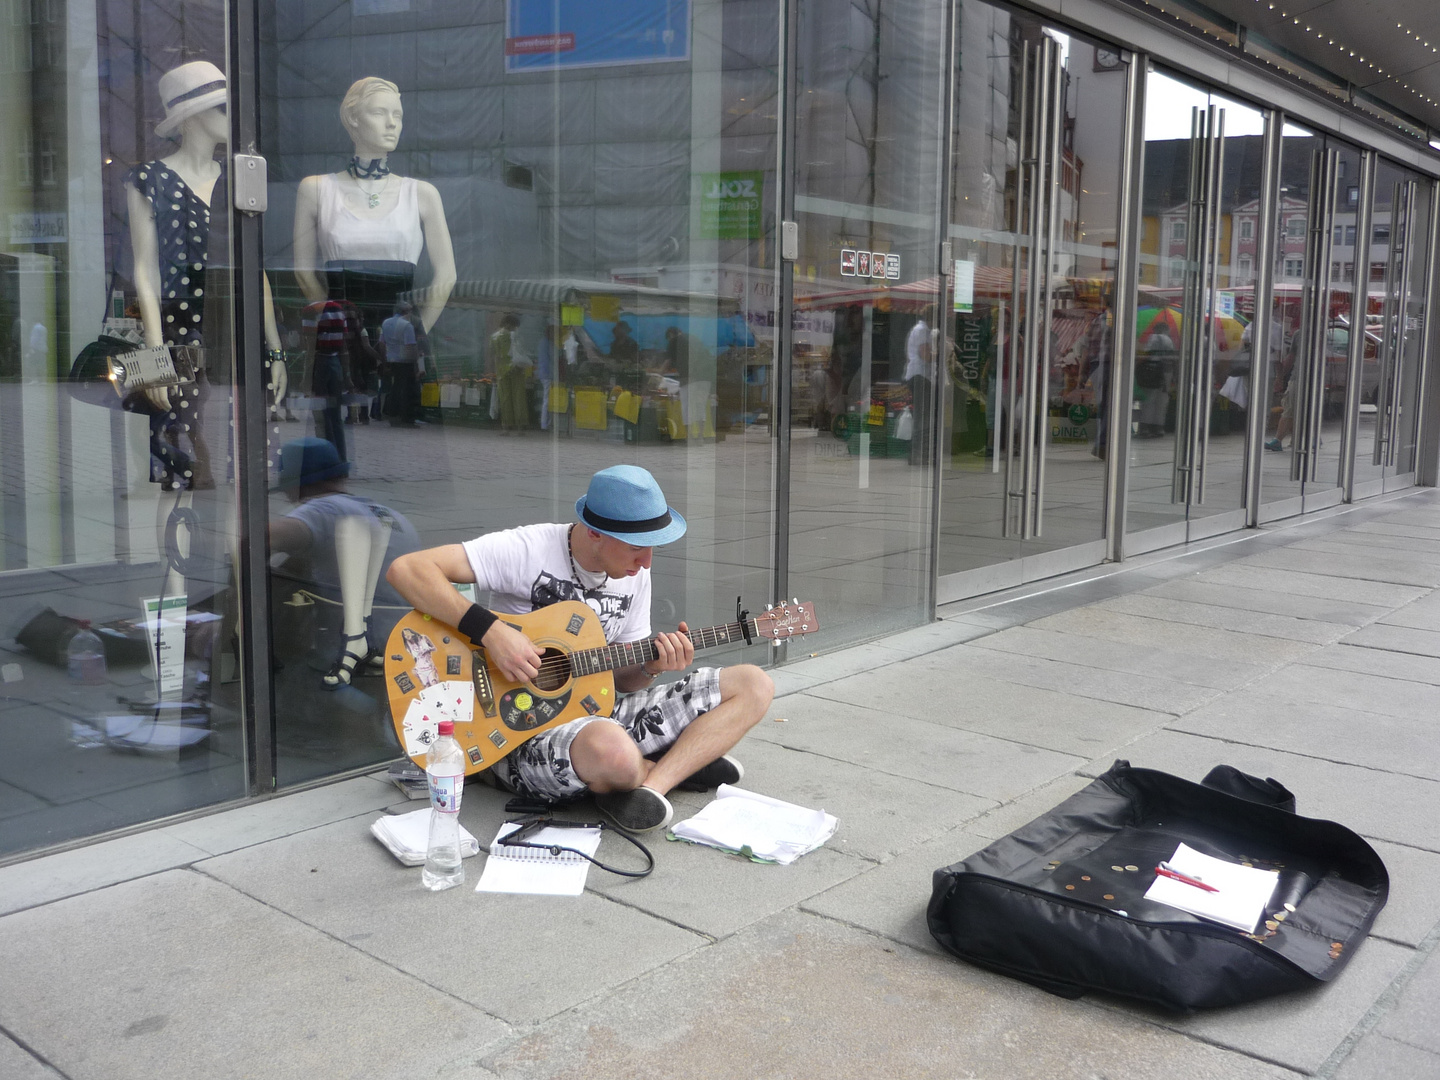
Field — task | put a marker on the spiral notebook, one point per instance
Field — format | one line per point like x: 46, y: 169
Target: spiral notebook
x: 536, y: 870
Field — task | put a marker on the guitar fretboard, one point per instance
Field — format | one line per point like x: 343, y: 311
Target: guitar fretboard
x: 627, y: 654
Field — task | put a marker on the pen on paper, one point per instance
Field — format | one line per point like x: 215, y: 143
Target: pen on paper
x: 1165, y: 870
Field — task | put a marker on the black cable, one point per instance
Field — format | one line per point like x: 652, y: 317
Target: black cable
x: 528, y: 827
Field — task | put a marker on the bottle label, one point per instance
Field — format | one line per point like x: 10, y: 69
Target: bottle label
x: 445, y: 792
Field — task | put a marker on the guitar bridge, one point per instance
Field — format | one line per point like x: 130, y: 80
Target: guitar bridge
x: 484, y: 690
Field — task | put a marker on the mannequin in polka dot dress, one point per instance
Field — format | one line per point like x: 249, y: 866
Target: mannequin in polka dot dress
x: 170, y: 202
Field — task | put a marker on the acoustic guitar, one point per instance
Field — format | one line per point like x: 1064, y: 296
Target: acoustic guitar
x: 434, y: 672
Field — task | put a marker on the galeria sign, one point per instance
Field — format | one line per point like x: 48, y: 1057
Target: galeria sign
x: 871, y: 264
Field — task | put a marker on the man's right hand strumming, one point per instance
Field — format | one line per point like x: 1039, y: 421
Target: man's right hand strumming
x: 511, y: 652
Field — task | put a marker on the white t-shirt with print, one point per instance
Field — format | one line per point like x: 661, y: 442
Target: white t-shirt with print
x: 529, y: 568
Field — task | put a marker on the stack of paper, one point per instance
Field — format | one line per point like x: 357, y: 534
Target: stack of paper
x: 1240, y: 896
x: 408, y: 835
x: 537, y: 870
x: 758, y: 826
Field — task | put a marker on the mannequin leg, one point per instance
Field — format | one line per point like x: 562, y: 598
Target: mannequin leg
x: 379, y: 546
x: 355, y: 549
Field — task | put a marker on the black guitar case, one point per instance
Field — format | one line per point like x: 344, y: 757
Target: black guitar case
x: 1007, y: 907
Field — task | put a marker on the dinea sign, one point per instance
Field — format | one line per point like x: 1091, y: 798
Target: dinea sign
x: 869, y: 264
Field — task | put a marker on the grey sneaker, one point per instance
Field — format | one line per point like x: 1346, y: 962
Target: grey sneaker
x: 723, y: 770
x: 636, y: 811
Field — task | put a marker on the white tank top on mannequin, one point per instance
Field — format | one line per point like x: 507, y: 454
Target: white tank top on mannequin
x: 346, y: 237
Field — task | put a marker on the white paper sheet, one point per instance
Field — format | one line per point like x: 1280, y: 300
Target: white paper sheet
x: 1241, y: 896
x: 774, y: 830
x: 531, y: 870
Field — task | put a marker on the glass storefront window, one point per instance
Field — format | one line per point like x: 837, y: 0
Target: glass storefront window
x: 863, y: 363
x: 120, y: 691
x: 499, y: 264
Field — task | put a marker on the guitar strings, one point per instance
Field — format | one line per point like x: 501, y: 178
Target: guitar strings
x: 554, y: 665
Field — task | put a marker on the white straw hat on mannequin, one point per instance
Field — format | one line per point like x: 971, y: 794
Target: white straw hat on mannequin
x: 189, y: 89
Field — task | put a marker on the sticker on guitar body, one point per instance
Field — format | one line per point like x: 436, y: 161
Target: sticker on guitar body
x: 447, y: 700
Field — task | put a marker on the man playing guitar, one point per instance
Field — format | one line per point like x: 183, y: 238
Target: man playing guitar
x: 659, y: 737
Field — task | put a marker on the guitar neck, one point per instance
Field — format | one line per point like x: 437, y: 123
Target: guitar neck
x: 628, y: 654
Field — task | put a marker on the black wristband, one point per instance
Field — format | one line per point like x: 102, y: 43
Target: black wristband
x: 475, y: 622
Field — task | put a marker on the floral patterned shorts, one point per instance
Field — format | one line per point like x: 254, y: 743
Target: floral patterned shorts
x: 653, y: 718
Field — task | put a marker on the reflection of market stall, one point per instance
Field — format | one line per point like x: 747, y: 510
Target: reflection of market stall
x: 848, y: 360
x: 587, y: 375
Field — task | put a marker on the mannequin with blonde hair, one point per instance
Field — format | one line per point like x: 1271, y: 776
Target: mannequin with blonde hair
x: 358, y: 236
x: 362, y: 229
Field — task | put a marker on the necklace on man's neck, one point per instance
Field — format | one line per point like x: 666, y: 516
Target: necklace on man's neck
x: 574, y: 569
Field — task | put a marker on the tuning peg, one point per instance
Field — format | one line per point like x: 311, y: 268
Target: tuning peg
x: 769, y: 607
x: 795, y: 601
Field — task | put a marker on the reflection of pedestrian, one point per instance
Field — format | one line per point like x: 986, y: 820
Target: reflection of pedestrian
x: 328, y: 382
x: 401, y: 352
x: 512, y: 371
x: 920, y: 376
x: 694, y: 367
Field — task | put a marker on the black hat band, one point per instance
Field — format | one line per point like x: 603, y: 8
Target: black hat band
x: 199, y: 91
x: 615, y: 525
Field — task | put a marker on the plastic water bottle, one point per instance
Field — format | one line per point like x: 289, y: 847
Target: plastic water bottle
x: 85, y: 656
x: 445, y: 769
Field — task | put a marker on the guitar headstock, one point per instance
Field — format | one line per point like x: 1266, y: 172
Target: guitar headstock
x: 786, y: 620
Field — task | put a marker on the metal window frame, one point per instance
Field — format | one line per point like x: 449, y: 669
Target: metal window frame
x: 251, y: 412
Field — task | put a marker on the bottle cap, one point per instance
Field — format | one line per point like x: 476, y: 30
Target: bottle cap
x: 447, y: 727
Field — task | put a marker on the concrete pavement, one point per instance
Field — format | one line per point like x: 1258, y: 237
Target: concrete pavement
x: 281, y: 940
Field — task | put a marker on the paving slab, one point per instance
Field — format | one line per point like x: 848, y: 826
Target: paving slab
x: 961, y: 761
x: 1352, y: 690
x: 1010, y: 816
x: 880, y: 815
x: 1252, y: 623
x: 936, y: 689
x: 67, y: 873
x: 1300, y: 1030
x: 1375, y: 740
x: 1413, y: 908
x: 799, y: 997
x: 1177, y: 637
x: 1307, y: 577
x: 1272, y: 601
x: 178, y: 974
x: 890, y: 900
x: 341, y: 881
x: 1415, y: 1018
x: 1375, y: 804
x: 1153, y: 692
x: 716, y: 894
x: 1348, y: 542
x: 1418, y: 615
x: 1400, y: 665
x: 1373, y: 566
x: 19, y: 1064
x: 1125, y: 656
x: 278, y: 817
x: 1396, y: 638
x: 1378, y: 1056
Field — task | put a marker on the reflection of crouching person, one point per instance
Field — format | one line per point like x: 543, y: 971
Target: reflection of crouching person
x: 349, y: 540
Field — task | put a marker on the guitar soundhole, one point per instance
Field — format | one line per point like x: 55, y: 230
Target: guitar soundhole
x: 554, y: 670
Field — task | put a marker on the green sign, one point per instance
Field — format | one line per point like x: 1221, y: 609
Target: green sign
x: 730, y: 205
x: 1079, y: 414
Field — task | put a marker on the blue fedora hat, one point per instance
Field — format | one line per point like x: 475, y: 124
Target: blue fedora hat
x: 309, y: 461
x: 625, y: 502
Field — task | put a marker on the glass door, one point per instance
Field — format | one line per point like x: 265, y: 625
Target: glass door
x: 120, y: 660
x: 868, y: 139
x: 1395, y: 319
x: 1202, y: 173
x: 1034, y: 205
x: 1304, y: 374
